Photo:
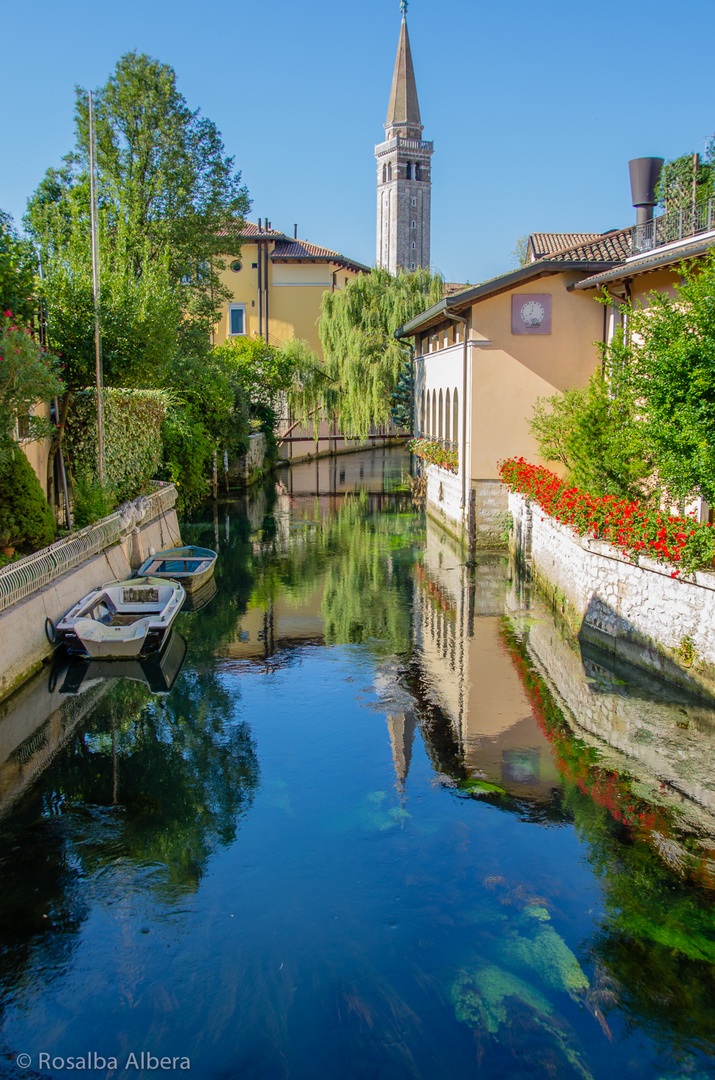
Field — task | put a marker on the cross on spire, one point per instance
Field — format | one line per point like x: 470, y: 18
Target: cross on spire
x: 403, y: 7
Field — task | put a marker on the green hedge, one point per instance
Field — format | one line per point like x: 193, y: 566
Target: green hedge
x: 132, y: 437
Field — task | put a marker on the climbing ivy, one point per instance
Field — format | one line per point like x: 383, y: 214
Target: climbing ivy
x: 132, y: 437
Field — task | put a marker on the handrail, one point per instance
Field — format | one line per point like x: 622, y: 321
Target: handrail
x: 678, y: 224
x: 24, y: 576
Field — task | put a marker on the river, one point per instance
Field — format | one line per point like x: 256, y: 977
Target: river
x: 373, y: 815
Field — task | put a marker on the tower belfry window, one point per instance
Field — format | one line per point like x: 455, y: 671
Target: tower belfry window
x: 417, y: 173
x: 389, y: 172
x: 408, y: 172
x: 384, y: 173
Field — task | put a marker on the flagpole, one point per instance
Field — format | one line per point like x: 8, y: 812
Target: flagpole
x: 99, y: 376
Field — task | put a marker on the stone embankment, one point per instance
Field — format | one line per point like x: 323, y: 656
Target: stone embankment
x: 45, y: 585
x: 640, y: 613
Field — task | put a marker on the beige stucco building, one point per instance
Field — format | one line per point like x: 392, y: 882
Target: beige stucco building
x: 530, y: 333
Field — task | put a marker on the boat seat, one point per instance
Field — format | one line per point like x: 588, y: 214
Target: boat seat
x: 97, y: 631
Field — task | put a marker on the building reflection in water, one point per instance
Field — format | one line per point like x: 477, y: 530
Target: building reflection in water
x: 466, y: 678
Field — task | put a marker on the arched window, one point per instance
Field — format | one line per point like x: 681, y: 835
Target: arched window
x: 447, y: 426
x: 434, y: 413
x: 417, y: 173
x: 422, y: 414
x: 384, y: 174
x: 408, y: 173
x: 389, y: 172
x: 440, y: 429
x: 455, y: 418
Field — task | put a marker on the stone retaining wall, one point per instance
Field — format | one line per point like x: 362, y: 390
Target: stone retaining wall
x: 22, y: 626
x: 639, y: 613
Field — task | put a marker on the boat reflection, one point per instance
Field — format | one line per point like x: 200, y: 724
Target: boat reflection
x: 158, y: 671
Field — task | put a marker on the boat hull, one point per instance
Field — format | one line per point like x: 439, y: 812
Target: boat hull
x: 192, y: 566
x: 123, y: 620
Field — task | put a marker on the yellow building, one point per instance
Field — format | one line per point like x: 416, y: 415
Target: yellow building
x: 277, y: 284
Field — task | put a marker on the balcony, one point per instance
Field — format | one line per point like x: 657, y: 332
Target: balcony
x: 681, y: 224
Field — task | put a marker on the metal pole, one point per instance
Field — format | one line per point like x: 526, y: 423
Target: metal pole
x: 99, y: 376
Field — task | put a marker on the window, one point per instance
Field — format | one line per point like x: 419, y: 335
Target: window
x: 440, y: 415
x: 455, y: 417
x: 384, y: 173
x: 418, y: 175
x: 414, y: 202
x: 408, y: 172
x: 236, y: 265
x: 236, y: 320
x: 254, y: 266
x: 389, y: 172
x: 414, y: 224
x: 413, y: 245
x: 413, y: 266
x: 447, y: 428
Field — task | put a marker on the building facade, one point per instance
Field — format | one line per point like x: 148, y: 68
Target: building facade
x: 277, y: 284
x: 404, y: 181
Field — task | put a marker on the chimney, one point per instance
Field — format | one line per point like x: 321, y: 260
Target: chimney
x: 295, y: 232
x: 645, y: 172
x: 259, y: 224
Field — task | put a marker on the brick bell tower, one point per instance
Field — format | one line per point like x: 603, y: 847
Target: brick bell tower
x: 403, y: 172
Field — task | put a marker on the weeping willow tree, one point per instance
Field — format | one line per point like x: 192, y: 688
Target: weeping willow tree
x: 362, y: 359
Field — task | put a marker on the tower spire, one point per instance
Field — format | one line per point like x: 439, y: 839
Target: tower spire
x: 403, y: 171
x: 403, y: 110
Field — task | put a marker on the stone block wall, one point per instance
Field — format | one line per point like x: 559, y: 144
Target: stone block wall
x: 244, y: 469
x: 639, y: 613
x: 480, y: 524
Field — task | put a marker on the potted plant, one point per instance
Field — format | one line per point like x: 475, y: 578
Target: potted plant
x: 9, y: 536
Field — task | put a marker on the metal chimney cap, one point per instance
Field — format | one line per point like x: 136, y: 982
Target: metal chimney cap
x: 645, y: 172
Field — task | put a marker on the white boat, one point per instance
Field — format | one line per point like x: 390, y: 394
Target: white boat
x: 192, y: 566
x: 122, y: 619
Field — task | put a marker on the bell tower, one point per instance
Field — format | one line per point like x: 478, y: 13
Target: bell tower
x: 403, y: 172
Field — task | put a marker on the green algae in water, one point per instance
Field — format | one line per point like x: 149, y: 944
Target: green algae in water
x: 479, y: 997
x: 478, y: 786
x: 489, y: 999
x: 546, y: 953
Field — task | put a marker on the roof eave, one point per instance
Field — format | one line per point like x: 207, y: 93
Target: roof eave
x: 535, y: 270
x: 654, y: 262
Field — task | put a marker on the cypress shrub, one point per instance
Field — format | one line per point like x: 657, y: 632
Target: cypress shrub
x: 26, y: 520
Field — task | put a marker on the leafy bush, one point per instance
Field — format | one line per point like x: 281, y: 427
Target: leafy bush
x: 26, y: 520
x: 132, y: 438
x: 92, y: 500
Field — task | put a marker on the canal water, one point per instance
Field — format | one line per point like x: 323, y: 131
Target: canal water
x: 373, y: 815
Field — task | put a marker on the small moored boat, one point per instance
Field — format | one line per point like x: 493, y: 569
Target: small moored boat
x: 122, y: 619
x: 192, y: 566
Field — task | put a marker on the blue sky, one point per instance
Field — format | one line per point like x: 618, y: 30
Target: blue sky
x: 534, y: 109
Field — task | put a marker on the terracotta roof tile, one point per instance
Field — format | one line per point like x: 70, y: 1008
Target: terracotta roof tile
x: 611, y: 247
x: 302, y: 249
x: 542, y: 243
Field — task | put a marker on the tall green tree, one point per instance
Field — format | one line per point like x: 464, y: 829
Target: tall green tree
x: 362, y: 359
x: 18, y: 269
x: 170, y: 204
x: 671, y: 364
x: 687, y: 178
